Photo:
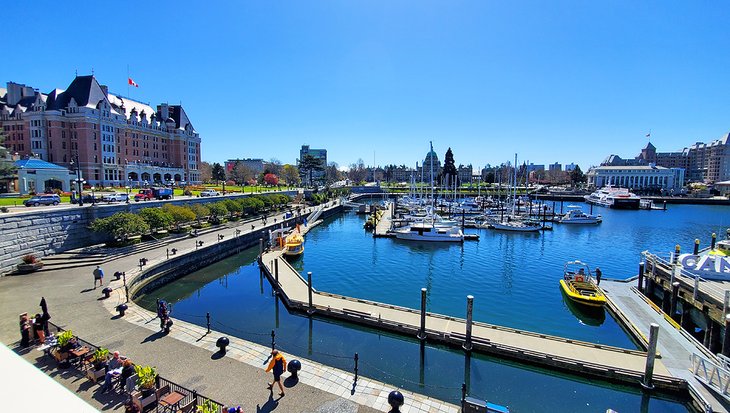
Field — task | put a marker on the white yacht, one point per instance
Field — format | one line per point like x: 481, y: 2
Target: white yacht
x: 517, y: 226
x: 424, y: 231
x: 575, y: 215
x: 612, y: 197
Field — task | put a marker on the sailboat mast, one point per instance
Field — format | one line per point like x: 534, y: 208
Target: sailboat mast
x: 514, y: 186
x: 433, y: 206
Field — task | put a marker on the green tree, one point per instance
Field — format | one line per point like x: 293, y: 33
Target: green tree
x: 121, y: 225
x: 290, y: 173
x: 201, y: 211
x: 217, y: 210
x: 180, y: 215
x: 156, y: 218
x: 577, y: 176
x: 449, y: 174
x: 7, y: 167
x: 308, y: 165
x: 233, y: 207
x: 219, y: 174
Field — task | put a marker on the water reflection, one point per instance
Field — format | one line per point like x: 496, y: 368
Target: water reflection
x: 589, y: 316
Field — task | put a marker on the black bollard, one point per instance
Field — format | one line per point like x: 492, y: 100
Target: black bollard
x: 121, y: 308
x: 697, y: 246
x: 641, y: 277
x: 222, y: 343
x: 293, y: 367
x: 106, y: 291
x: 395, y: 400
x: 714, y: 239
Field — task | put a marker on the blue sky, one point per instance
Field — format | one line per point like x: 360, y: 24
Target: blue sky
x: 565, y: 81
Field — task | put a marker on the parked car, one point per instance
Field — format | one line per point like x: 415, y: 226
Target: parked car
x: 43, y: 200
x: 209, y: 192
x: 115, y: 197
x: 88, y: 199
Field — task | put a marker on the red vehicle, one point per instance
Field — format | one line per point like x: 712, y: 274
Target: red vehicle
x: 153, y: 193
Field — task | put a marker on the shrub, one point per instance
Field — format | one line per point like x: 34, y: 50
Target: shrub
x: 179, y: 214
x: 217, y: 210
x: 121, y: 225
x: 156, y: 217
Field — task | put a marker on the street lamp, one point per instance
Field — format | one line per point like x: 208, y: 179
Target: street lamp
x: 78, y: 179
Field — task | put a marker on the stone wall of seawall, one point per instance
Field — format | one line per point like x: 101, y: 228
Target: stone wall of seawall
x: 52, y: 231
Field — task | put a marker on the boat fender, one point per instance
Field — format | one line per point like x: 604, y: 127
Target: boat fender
x: 579, y: 278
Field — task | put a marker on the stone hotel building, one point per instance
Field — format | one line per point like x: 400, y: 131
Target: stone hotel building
x: 114, y: 140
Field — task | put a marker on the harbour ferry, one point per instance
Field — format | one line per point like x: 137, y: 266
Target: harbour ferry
x: 294, y: 245
x: 613, y: 197
x: 578, y: 285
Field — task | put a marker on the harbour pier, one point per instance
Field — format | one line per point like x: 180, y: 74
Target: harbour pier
x: 583, y: 358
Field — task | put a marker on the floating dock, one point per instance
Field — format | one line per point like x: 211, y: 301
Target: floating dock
x: 382, y: 228
x: 582, y: 358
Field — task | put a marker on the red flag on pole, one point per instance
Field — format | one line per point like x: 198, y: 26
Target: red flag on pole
x: 132, y: 82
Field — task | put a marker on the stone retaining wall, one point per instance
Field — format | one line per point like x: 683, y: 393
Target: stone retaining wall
x: 49, y: 231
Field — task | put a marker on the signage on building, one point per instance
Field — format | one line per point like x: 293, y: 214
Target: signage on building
x: 707, y: 266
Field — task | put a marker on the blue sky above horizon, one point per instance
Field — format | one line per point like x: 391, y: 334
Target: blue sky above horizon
x: 560, y: 81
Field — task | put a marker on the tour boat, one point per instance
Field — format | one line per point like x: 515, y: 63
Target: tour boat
x: 612, y: 197
x: 294, y: 245
x: 424, y: 231
x: 578, y: 285
x: 575, y: 215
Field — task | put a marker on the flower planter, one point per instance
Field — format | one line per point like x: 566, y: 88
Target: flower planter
x: 95, y: 375
x: 28, y: 268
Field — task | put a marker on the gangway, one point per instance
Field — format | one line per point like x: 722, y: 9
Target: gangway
x: 716, y: 376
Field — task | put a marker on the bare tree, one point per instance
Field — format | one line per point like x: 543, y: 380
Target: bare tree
x: 241, y: 173
x: 206, y: 171
x: 357, y: 172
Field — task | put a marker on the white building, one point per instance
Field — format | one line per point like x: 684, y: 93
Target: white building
x: 37, y: 175
x: 637, y: 177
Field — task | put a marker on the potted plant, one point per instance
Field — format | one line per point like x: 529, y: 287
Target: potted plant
x: 208, y: 407
x: 30, y: 263
x: 98, y: 361
x: 146, y: 379
x: 64, y: 340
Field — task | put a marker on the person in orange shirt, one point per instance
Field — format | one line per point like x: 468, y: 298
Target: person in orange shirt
x: 278, y: 365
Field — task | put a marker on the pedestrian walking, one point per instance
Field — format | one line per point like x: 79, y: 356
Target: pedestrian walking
x: 98, y: 276
x: 598, y: 276
x: 24, y: 330
x: 278, y: 365
x: 45, y: 316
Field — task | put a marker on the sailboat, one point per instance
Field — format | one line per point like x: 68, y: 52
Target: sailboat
x: 428, y: 229
x: 512, y: 223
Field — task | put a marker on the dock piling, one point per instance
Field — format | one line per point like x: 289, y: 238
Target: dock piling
x: 673, y: 302
x: 309, y: 287
x: 641, y: 277
x: 207, y: 321
x: 469, y: 310
x: 697, y: 288
x: 422, y: 330
x: 726, y: 341
x: 712, y: 243
x: 675, y: 257
x: 650, y: 356
x: 697, y: 246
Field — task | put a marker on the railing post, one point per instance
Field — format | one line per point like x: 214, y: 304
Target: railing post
x: 261, y: 246
x: 309, y: 287
x: 422, y: 330
x: 273, y: 340
x: 697, y: 288
x: 650, y: 356
x: 641, y: 277
x: 469, y: 308
x: 675, y: 257
x: 207, y: 320
x: 463, y: 395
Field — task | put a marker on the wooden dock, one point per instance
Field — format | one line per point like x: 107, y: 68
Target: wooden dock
x: 583, y: 358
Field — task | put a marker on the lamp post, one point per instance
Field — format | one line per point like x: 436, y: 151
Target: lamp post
x: 78, y: 179
x: 93, y: 198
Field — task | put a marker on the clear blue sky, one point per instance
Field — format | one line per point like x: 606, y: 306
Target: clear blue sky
x: 565, y: 81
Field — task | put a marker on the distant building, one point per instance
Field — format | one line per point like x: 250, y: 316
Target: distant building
x: 426, y: 167
x: 113, y: 140
x: 320, y: 154
x: 555, y: 167
x: 534, y: 168
x: 465, y: 173
x: 37, y: 175
x: 403, y: 174
x: 647, y: 178
x: 570, y: 167
x: 703, y: 162
x: 256, y: 165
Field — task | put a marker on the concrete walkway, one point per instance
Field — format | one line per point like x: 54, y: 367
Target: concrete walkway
x: 186, y: 356
x: 674, y: 345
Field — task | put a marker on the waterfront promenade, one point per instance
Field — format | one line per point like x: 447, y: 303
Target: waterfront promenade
x: 186, y: 354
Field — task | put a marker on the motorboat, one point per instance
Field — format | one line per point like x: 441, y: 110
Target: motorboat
x: 425, y: 231
x: 575, y: 215
x: 578, y: 285
x: 294, y: 245
x: 614, y: 197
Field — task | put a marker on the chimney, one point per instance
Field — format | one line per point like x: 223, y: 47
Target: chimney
x: 164, y: 111
x: 14, y: 93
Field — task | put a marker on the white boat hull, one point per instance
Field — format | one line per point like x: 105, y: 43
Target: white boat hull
x: 515, y: 227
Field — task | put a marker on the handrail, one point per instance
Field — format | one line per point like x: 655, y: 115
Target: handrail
x: 714, y: 376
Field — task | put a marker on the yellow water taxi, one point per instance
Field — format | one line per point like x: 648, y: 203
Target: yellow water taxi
x: 294, y: 245
x: 578, y: 285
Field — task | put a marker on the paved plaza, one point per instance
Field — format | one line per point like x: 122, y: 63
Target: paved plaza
x: 187, y: 355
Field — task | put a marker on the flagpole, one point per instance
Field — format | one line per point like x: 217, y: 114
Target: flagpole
x: 127, y: 81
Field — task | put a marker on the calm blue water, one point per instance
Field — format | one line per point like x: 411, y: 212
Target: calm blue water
x: 514, y: 278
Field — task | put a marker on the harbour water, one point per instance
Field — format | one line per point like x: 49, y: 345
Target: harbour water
x: 514, y: 278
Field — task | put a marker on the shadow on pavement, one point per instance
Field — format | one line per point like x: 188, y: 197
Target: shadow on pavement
x: 269, y: 406
x: 153, y: 337
x: 291, y: 381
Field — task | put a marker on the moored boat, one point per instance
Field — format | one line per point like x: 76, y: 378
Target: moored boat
x: 575, y: 215
x: 422, y: 231
x: 613, y: 197
x: 517, y: 226
x: 578, y: 285
x: 294, y: 245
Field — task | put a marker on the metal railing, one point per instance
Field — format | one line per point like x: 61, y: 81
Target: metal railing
x: 690, y: 280
x: 711, y: 374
